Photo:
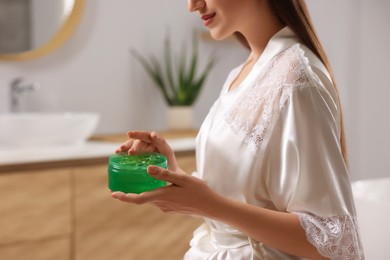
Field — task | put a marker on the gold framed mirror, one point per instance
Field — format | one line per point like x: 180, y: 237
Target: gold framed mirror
x: 68, y: 13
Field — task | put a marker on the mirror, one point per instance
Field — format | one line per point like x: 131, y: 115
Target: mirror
x: 32, y: 28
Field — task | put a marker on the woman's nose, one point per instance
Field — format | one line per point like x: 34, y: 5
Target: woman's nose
x: 196, y: 5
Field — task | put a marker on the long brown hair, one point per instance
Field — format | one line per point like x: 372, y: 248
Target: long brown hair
x: 294, y: 14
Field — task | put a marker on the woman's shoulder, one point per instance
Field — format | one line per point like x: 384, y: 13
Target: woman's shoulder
x: 298, y: 67
x: 292, y: 66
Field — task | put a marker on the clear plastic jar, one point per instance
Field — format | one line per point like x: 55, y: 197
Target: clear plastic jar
x: 128, y: 173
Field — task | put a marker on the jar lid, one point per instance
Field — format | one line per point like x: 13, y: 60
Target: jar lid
x: 139, y: 161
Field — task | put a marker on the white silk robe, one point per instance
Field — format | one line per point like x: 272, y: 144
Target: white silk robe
x: 274, y: 142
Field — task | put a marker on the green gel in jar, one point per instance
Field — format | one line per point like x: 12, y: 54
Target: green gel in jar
x: 128, y: 173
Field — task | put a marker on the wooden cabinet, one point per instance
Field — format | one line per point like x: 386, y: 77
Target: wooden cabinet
x: 64, y: 211
x: 68, y: 214
x: 109, y: 229
x: 58, y: 248
x: 35, y: 214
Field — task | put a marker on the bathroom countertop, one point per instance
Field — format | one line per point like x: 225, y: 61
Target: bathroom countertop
x: 95, y: 151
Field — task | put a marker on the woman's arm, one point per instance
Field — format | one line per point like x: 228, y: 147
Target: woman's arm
x: 189, y: 195
x: 279, y: 230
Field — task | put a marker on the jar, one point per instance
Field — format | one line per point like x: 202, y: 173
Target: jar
x: 128, y: 173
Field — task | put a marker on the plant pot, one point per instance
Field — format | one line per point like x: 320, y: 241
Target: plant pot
x: 180, y: 117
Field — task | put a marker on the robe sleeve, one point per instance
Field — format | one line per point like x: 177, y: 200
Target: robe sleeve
x: 306, y: 174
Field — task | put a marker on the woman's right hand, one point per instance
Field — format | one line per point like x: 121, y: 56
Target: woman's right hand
x: 143, y: 142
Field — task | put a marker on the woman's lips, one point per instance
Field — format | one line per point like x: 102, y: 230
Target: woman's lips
x: 207, y: 18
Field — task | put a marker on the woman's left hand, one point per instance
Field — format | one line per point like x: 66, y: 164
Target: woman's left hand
x: 185, y: 194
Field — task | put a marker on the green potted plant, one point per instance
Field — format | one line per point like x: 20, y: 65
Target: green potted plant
x: 178, y: 80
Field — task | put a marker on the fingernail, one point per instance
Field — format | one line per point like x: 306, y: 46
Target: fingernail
x: 156, y: 137
x: 152, y: 169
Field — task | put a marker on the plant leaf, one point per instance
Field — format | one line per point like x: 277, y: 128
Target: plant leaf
x: 180, y: 94
x: 178, y: 81
x: 153, y: 69
x: 194, y: 60
x: 168, y: 63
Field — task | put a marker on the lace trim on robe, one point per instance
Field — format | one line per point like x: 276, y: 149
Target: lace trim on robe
x: 253, y: 113
x: 334, y: 237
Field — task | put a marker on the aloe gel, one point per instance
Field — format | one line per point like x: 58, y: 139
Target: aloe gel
x: 128, y: 173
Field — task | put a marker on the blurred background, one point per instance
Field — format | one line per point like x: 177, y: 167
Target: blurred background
x: 94, y: 71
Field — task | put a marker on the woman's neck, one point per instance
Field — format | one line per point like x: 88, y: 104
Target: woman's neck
x: 260, y: 28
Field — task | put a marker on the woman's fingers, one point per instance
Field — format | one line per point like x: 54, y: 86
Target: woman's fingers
x: 139, y: 199
x: 151, y: 138
x: 178, y: 179
x: 128, y: 197
x: 186, y: 194
x: 158, y: 142
x: 139, y: 146
x: 124, y: 147
x: 132, y: 146
x: 161, y: 144
x: 140, y: 135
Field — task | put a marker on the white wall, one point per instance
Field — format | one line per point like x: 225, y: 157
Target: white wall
x: 372, y: 115
x: 46, y: 18
x: 356, y: 38
x: 94, y: 71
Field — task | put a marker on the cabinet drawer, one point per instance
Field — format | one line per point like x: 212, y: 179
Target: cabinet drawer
x: 55, y: 249
x: 35, y: 205
x: 110, y: 229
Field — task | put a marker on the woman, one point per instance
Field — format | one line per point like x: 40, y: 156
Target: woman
x: 271, y: 179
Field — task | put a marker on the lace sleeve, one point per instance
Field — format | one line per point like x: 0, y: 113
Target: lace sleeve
x: 334, y: 237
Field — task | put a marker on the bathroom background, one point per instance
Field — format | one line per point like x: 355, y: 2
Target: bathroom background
x: 95, y: 72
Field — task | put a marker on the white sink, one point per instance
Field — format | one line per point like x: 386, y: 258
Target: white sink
x: 26, y: 130
x: 372, y: 199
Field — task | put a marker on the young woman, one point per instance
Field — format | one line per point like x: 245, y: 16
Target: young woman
x: 271, y: 179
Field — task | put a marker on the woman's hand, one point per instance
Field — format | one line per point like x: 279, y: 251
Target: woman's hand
x: 143, y: 142
x: 185, y: 194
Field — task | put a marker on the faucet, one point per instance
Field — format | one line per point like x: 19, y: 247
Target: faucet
x: 17, y: 89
